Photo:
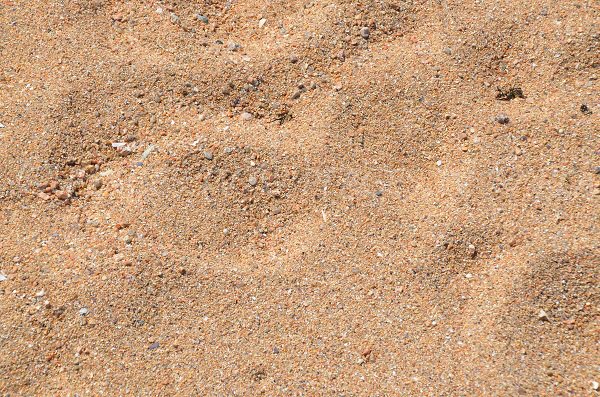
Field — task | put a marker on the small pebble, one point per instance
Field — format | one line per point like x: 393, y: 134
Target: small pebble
x: 472, y: 251
x: 154, y: 346
x: 233, y: 46
x: 379, y: 193
x: 365, y: 32
x: 502, y: 119
x: 61, y: 194
x: 201, y: 18
x: 83, y: 311
x: 597, y: 170
x: 208, y: 155
x: 293, y: 59
x: 543, y: 316
x: 40, y: 294
x: 262, y: 22
x: 246, y: 116
x: 275, y: 350
x: 174, y: 18
x: 595, y: 385
x: 252, y: 181
x: 296, y: 94
x: 3, y: 277
x: 438, y: 163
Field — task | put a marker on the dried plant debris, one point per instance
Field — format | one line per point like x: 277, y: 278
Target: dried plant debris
x: 508, y: 94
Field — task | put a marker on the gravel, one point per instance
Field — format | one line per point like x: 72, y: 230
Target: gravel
x: 202, y: 18
x: 84, y: 311
x: 365, y: 32
x: 502, y: 119
x: 252, y: 181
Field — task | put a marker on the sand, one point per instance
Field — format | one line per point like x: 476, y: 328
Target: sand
x: 299, y: 198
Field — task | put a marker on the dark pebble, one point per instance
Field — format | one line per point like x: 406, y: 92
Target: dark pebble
x: 154, y: 346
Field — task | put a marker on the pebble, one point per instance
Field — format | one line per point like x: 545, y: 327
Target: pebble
x: 61, y: 194
x: 262, y: 22
x: 40, y: 294
x: 2, y: 125
x: 3, y: 277
x: 543, y: 316
x: 379, y: 193
x: 438, y: 163
x: 246, y: 116
x: 595, y: 385
x: 502, y: 119
x: 233, y: 46
x: 98, y: 184
x: 365, y: 32
x: 275, y: 350
x: 252, y: 181
x: 597, y: 170
x: 201, y: 18
x: 293, y: 59
x: 174, y: 18
x: 472, y: 251
x: 83, y: 311
x: 154, y: 346
x: 296, y: 94
x: 147, y: 152
x: 208, y: 155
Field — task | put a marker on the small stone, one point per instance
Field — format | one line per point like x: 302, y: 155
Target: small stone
x: 232, y: 46
x: 208, y: 155
x: 98, y: 184
x: 154, y: 346
x: 252, y: 181
x: 502, y: 119
x: 262, y: 22
x: 595, y: 385
x: 61, y: 194
x: 202, y: 18
x: 3, y: 277
x: 448, y: 51
x: 472, y: 251
x: 438, y: 163
x: 40, y: 294
x: 43, y: 196
x: 468, y: 275
x: 296, y: 94
x: 83, y: 311
x: 275, y: 350
x: 174, y: 18
x: 246, y: 116
x: 597, y: 170
x: 293, y: 59
x: 543, y: 316
x: 379, y: 193
x: 128, y: 239
x: 2, y: 125
x: 365, y: 32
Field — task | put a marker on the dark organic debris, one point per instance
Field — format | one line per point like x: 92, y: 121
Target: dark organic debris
x: 508, y: 94
x: 585, y: 109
